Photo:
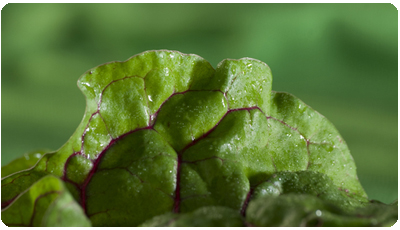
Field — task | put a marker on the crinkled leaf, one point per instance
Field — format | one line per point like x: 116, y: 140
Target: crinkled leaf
x: 46, y: 203
x: 165, y: 132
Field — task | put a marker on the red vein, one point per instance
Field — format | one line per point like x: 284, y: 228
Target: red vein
x: 246, y: 202
x: 8, y: 202
x: 64, y: 177
x: 177, y: 190
x: 152, y: 122
x: 96, y: 163
x: 15, y: 179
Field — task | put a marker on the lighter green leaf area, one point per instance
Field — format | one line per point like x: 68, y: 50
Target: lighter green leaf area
x: 75, y: 141
x: 256, y: 164
x: 186, y: 68
x: 158, y: 87
x: 78, y: 168
x: 126, y: 200
x: 26, y: 161
x: 93, y: 82
x: 328, y: 153
x: 54, y: 163
x: 287, y: 147
x: 126, y: 100
x: 65, y: 212
x: 211, y: 216
x: 246, y: 82
x: 338, y: 165
x: 191, y: 72
x: 186, y: 117
x: 95, y: 137
x: 291, y: 110
x: 217, y: 170
x: 28, y: 209
x: 242, y: 137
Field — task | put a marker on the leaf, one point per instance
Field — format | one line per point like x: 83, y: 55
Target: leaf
x: 25, y: 162
x: 211, y: 216
x: 310, y: 199
x: 287, y: 199
x: 46, y: 203
x: 165, y: 132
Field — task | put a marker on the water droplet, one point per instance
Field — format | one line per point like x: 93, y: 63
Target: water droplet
x: 318, y: 213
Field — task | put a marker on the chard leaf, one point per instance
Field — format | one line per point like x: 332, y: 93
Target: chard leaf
x: 308, y: 198
x: 164, y: 133
x: 306, y: 211
x: 27, y: 161
x: 210, y: 216
x: 46, y: 203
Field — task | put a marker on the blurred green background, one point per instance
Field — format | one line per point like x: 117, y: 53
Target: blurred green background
x: 341, y: 59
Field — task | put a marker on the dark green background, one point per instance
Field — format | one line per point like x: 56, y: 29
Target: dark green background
x: 341, y: 59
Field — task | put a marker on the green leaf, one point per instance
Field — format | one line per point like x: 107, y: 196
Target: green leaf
x: 46, y: 203
x: 211, y: 216
x: 308, y: 198
x: 25, y: 162
x: 164, y: 132
x: 306, y: 210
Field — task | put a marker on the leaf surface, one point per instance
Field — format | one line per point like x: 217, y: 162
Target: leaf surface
x: 164, y: 132
x: 27, y: 161
x: 46, y: 203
